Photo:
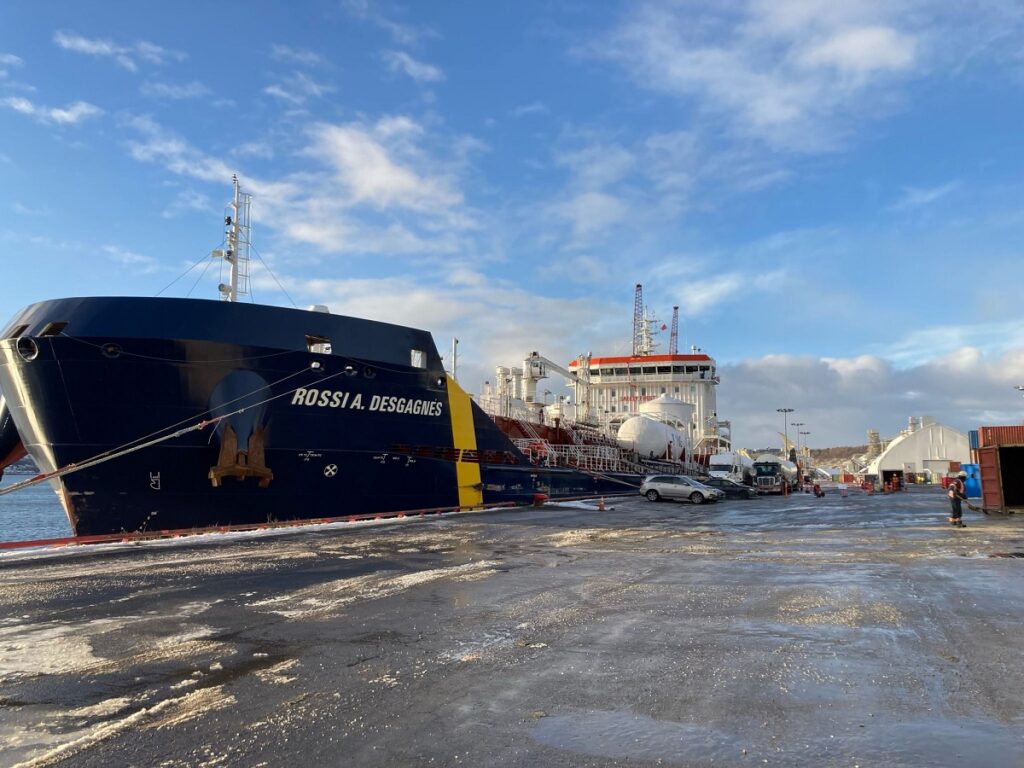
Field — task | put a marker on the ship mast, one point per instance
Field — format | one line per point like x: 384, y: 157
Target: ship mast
x: 237, y: 252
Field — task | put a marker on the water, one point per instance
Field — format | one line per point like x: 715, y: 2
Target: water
x: 31, y: 513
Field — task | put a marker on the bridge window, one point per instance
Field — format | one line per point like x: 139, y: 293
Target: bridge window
x: 417, y: 359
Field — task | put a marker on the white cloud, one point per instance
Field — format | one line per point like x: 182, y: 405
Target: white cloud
x: 791, y: 74
x: 533, y: 108
x: 590, y: 214
x: 26, y: 210
x: 188, y: 200
x: 297, y: 88
x: 302, y: 56
x: 192, y: 90
x: 368, y: 11
x: 261, y: 149
x: 137, y: 262
x: 597, y: 165
x: 10, y: 60
x: 863, y: 50
x: 373, y: 188
x: 375, y: 164
x: 838, y: 399
x: 399, y: 61
x: 125, y: 55
x: 919, y: 197
x: 923, y: 344
x: 71, y: 114
x: 177, y: 155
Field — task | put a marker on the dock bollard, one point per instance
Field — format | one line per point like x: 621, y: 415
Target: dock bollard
x: 539, y: 499
x: 600, y: 505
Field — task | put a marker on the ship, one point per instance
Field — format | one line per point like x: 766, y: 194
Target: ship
x: 155, y: 414
x: 648, y: 412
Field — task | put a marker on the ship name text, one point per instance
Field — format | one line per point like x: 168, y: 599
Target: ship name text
x: 328, y: 398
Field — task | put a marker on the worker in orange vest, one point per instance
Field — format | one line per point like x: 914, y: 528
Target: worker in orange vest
x: 957, y: 493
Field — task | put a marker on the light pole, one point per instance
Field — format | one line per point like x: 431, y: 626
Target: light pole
x: 785, y: 427
x: 797, y: 424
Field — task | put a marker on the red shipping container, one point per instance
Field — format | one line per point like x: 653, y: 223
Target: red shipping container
x: 954, y: 466
x: 1013, y: 435
x: 991, y: 480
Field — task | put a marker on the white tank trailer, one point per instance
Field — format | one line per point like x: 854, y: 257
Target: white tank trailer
x: 732, y: 466
x: 773, y: 474
x: 661, y: 431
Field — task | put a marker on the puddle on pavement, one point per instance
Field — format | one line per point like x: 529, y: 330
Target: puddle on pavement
x: 897, y: 743
x: 626, y: 735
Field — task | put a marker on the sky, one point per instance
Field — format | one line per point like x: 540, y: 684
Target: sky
x: 832, y: 193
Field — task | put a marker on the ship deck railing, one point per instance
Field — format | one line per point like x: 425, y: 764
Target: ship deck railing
x: 599, y: 458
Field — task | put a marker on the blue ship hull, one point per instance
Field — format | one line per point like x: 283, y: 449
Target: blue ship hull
x: 311, y: 415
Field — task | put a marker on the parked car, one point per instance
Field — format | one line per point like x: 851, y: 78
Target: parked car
x: 657, y: 487
x: 730, y: 488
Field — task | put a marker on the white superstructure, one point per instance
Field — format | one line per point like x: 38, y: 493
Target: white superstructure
x: 617, y: 387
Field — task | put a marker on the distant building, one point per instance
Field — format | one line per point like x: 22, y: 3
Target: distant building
x: 925, y: 446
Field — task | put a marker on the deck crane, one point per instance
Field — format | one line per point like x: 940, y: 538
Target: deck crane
x: 673, y: 339
x: 537, y: 367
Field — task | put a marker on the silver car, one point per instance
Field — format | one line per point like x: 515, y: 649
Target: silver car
x: 657, y: 487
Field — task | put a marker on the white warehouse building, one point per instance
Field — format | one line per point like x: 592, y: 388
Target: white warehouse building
x: 925, y: 446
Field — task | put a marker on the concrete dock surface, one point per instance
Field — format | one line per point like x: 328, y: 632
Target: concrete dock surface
x: 860, y: 631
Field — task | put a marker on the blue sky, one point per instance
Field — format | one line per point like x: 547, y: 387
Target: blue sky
x: 832, y: 193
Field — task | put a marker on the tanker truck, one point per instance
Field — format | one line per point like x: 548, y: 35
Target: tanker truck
x: 774, y: 475
x: 732, y: 466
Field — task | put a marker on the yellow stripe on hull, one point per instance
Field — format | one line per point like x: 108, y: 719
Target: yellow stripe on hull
x: 460, y: 406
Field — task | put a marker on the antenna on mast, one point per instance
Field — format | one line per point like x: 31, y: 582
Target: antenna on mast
x: 673, y: 338
x: 237, y: 252
x: 638, y: 320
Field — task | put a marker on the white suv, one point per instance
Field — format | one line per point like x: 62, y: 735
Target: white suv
x: 657, y: 487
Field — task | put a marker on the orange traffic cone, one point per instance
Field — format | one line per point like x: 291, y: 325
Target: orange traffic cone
x: 600, y: 505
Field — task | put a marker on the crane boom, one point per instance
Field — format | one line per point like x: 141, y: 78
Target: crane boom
x: 638, y: 319
x: 536, y: 367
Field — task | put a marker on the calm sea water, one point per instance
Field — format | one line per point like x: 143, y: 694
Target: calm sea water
x: 32, y: 513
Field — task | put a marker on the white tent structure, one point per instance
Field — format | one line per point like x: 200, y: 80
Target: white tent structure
x: 924, y: 446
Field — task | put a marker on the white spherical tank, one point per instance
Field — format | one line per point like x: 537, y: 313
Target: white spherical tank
x: 668, y: 408
x: 652, y: 439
